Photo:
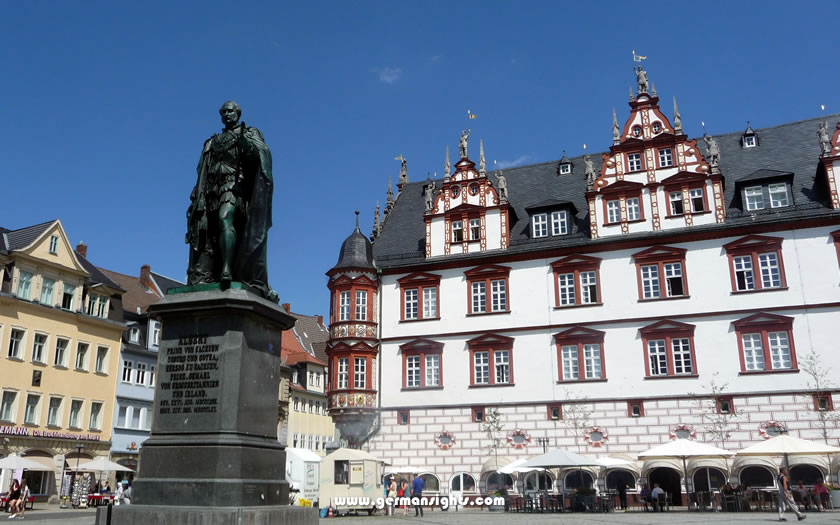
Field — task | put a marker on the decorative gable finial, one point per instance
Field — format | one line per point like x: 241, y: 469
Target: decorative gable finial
x: 501, y: 182
x: 632, y: 95
x: 357, y: 220
x: 463, y: 143
x: 447, y: 168
x: 403, y: 171
x: 641, y: 80
x: 589, y: 172
x: 652, y: 89
x: 375, y: 233
x: 616, y: 131
x: 429, y: 194
x: 389, y: 202
x: 677, y: 119
x: 482, y: 164
x: 712, y: 152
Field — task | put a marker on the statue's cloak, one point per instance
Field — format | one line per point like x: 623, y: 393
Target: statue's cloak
x: 250, y: 263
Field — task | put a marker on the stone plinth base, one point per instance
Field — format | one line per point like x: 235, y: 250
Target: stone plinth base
x: 166, y: 515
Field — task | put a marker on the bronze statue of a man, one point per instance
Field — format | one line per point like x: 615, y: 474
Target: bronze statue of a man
x: 230, y: 211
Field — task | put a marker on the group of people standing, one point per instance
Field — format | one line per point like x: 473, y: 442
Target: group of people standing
x: 404, y: 490
x: 18, y: 494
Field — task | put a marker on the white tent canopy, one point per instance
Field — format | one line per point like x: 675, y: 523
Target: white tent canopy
x: 787, y: 445
x: 100, y: 464
x: 683, y: 449
x: 559, y: 458
x: 516, y: 467
x: 16, y: 462
x: 608, y: 462
x: 303, y: 454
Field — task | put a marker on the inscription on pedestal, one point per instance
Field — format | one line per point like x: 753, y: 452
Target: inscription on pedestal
x: 189, y: 376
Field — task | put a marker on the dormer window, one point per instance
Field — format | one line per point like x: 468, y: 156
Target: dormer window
x: 565, y: 168
x: 749, y: 141
x: 134, y: 335
x: 749, y: 138
x: 540, y: 228
x: 54, y: 244
x: 558, y: 223
x: 754, y: 198
x: 634, y: 162
x: 778, y: 195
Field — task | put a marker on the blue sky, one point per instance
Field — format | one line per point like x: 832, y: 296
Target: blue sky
x: 106, y: 105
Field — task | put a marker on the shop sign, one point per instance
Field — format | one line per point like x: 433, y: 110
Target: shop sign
x: 23, y: 431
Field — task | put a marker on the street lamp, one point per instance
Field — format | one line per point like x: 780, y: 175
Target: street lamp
x: 544, y: 442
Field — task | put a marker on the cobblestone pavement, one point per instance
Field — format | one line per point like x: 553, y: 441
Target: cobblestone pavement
x: 487, y: 518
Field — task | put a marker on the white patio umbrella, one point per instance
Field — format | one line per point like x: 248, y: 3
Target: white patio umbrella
x: 559, y: 458
x: 517, y: 468
x: 608, y: 462
x: 101, y: 464
x: 15, y: 462
x: 684, y: 449
x: 788, y: 446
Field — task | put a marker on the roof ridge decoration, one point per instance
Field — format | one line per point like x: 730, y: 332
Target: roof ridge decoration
x: 616, y: 130
x: 447, y: 167
x: 403, y: 180
x: 677, y: 119
x: 376, y: 227
x: 482, y: 164
x: 389, y: 202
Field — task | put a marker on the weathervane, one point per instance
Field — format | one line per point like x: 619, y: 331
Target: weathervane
x: 470, y: 115
x: 638, y: 58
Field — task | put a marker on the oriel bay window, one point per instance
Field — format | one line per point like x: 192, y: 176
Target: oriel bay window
x: 487, y: 289
x: 580, y: 355
x: 576, y: 281
x: 491, y: 360
x: 419, y: 296
x: 669, y: 349
x: 352, y: 367
x: 755, y: 263
x: 661, y: 273
x: 765, y: 343
x: 352, y: 299
x: 422, y: 364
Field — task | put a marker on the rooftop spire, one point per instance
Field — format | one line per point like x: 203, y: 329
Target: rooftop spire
x: 632, y: 95
x: 616, y: 131
x: 389, y: 202
x: 677, y: 119
x: 357, y: 220
x: 482, y: 164
x: 447, y: 168
x: 375, y: 233
x: 652, y: 89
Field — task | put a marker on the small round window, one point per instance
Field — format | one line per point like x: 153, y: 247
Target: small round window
x: 456, y: 190
x: 637, y: 131
x: 444, y: 439
x: 683, y: 433
x: 774, y: 430
x: 596, y: 437
x: 657, y: 127
x: 474, y: 189
x: 518, y: 439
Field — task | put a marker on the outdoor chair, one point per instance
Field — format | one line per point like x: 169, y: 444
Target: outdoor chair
x: 730, y: 502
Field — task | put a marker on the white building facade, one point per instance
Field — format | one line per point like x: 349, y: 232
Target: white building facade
x: 609, y: 305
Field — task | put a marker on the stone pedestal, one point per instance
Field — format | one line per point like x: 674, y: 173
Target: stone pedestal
x: 213, y: 455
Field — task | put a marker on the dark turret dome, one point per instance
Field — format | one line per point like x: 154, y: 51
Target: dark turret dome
x: 356, y: 251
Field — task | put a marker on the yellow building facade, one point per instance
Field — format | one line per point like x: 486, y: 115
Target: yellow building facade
x: 61, y: 322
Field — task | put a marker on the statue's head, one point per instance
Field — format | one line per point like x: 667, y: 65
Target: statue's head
x: 230, y: 112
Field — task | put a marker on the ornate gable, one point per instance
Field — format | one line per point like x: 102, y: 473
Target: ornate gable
x: 490, y: 340
x: 667, y: 325
x: 578, y: 333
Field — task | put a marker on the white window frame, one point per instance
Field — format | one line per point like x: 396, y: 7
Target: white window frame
x: 571, y: 366
x: 588, y: 287
x: 40, y: 348
x: 681, y: 352
x: 54, y: 415
x: 634, y: 162
x: 24, y: 287
x: 771, y: 272
x: 47, y: 290
x: 140, y: 373
x: 634, y: 209
x: 743, y: 265
x: 361, y: 305
x: 566, y: 288
x: 343, y: 373
x: 152, y: 370
x: 475, y: 229
x: 54, y: 244
x: 79, y: 414
x: 82, y: 358
x: 778, y: 195
x: 457, y: 231
x: 31, y: 414
x: 780, y: 354
x: 540, y: 225
x: 155, y: 328
x: 432, y: 369
x: 613, y: 212
x: 565, y: 168
x: 8, y: 410
x: 592, y: 360
x: 429, y: 302
x: 95, y: 419
x: 127, y: 371
x: 501, y: 365
x: 61, y: 352
x: 666, y: 158
x: 71, y: 293
x: 498, y: 295
x: 412, y: 371
x: 675, y: 200
x: 749, y: 141
x: 658, y: 357
x: 344, y: 305
x: 410, y: 303
x: 16, y: 349
x: 134, y: 335
x: 650, y: 281
x: 559, y: 223
x: 697, y: 200
x: 479, y: 297
x: 754, y: 197
x: 481, y: 367
x: 673, y: 271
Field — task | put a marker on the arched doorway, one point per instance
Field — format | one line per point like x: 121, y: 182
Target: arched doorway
x: 578, y: 478
x: 668, y: 479
x: 537, y: 481
x: 494, y: 481
x: 806, y: 474
x: 756, y: 476
x: 616, y: 476
x: 706, y: 477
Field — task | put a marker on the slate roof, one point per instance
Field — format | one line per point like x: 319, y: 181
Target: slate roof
x: 165, y: 283
x: 791, y: 147
x: 135, y: 295
x: 764, y: 175
x: 96, y: 275
x: 18, y: 239
x: 312, y: 335
x: 3, y: 247
x: 356, y: 251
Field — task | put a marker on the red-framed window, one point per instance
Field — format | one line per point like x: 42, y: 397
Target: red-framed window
x: 465, y: 224
x: 686, y: 193
x: 351, y: 368
x: 669, y: 350
x: 403, y: 417
x: 823, y: 402
x: 554, y: 411
x: 352, y: 299
x: 765, y: 343
x: 487, y: 289
x: 422, y: 361
x: 725, y: 405
x: 491, y: 360
x: 635, y: 161
x: 634, y: 209
x: 636, y: 408
x: 661, y: 273
x: 577, y: 281
x: 580, y: 355
x: 478, y: 414
x: 419, y: 297
x: 836, y: 236
x: 756, y: 264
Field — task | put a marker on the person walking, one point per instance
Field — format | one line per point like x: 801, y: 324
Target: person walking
x: 14, y: 494
x: 392, y: 495
x: 406, y: 494
x: 417, y: 487
x: 24, y: 495
x: 622, y: 495
x: 786, y: 497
